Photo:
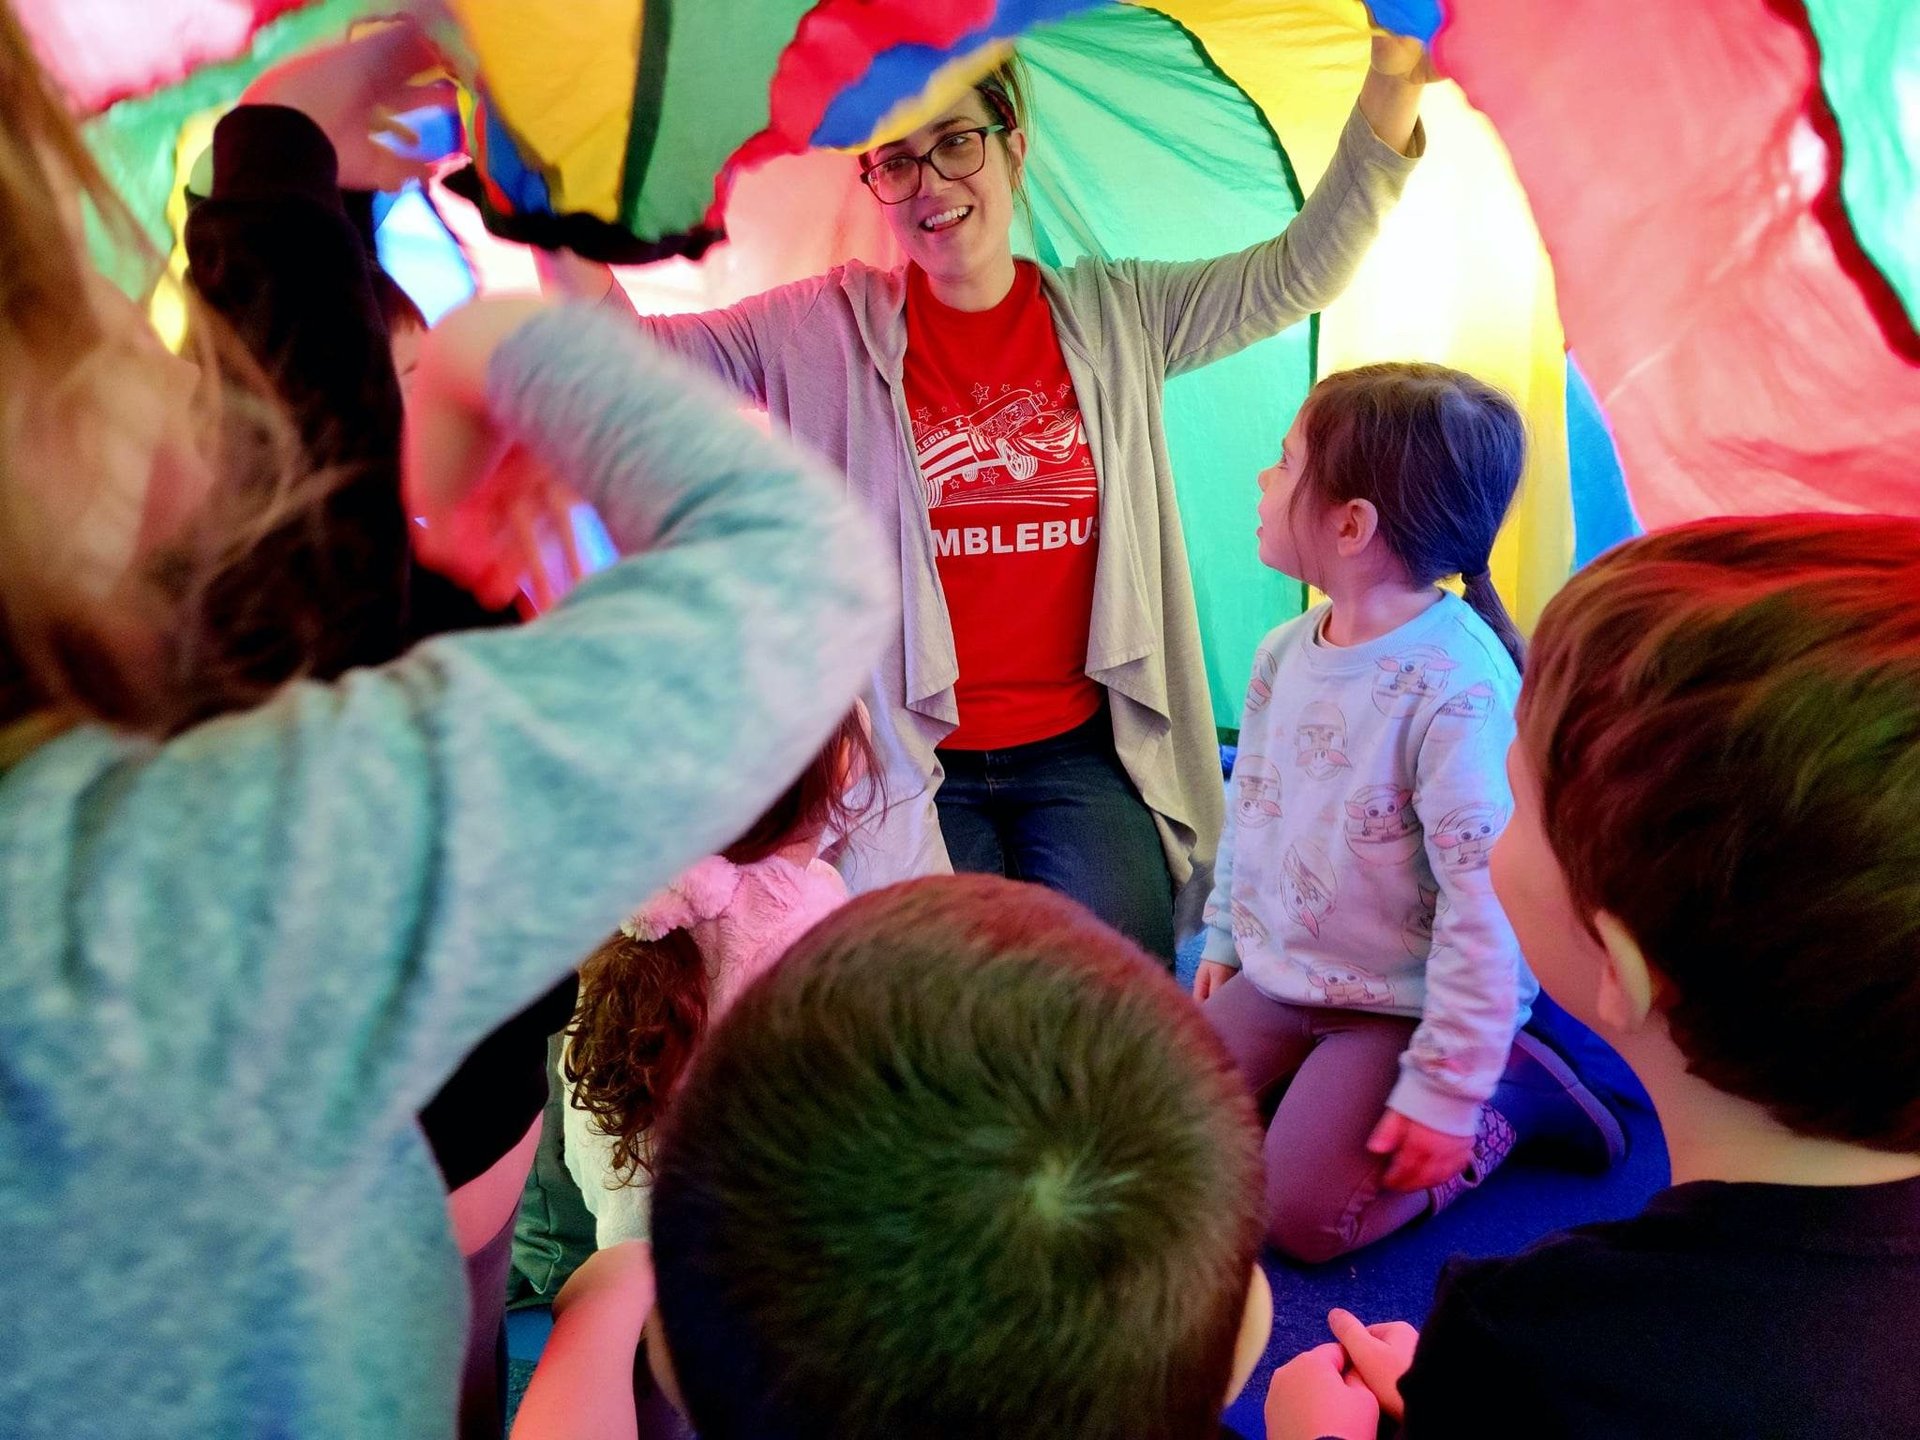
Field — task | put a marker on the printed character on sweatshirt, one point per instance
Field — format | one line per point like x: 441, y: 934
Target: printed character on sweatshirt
x: 1260, y: 688
x: 1381, y: 826
x: 1471, y: 706
x: 1417, y: 933
x: 1347, y: 987
x: 1466, y: 835
x: 1310, y: 885
x: 1256, y: 792
x: 1320, y: 739
x: 1411, y: 678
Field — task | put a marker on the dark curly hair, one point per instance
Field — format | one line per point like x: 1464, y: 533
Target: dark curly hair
x: 643, y: 1003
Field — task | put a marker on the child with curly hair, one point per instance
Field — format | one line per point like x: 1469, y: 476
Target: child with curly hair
x: 651, y: 991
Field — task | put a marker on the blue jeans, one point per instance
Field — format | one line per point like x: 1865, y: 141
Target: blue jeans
x: 1062, y: 813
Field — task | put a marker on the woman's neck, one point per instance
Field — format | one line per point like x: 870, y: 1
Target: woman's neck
x: 978, y: 289
x: 1365, y: 612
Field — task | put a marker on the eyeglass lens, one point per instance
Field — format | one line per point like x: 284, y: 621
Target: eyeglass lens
x: 955, y: 158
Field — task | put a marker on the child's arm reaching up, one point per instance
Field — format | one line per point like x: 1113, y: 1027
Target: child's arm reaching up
x: 582, y: 1388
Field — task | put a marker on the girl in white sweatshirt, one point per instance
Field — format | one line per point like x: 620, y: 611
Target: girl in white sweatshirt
x: 1356, y: 955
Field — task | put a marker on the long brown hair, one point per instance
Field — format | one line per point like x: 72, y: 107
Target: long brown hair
x: 643, y: 1003
x: 1438, y: 453
x: 113, y: 643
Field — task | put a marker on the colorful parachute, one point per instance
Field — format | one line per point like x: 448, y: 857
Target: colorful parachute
x: 1729, y: 194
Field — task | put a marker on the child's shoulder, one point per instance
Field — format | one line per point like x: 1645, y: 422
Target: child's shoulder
x: 1474, y: 649
x: 1580, y: 1271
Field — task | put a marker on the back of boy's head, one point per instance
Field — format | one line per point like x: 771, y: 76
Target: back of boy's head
x: 1725, y: 720
x: 1439, y: 455
x: 963, y: 1163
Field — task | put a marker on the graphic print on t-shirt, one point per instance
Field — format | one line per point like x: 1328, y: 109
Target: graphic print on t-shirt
x: 1022, y: 445
x: 1013, y: 506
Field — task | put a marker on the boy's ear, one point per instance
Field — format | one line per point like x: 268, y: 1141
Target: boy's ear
x: 1627, y: 987
x: 1256, y: 1327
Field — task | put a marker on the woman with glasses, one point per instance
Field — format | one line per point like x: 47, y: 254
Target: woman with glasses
x: 1043, y: 711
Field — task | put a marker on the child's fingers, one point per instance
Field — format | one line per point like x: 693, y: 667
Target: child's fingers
x: 1388, y: 1134
x: 1380, y: 1354
x: 1347, y: 1329
x: 1396, y: 1333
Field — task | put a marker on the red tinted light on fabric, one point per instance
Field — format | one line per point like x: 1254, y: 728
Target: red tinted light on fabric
x: 1744, y: 348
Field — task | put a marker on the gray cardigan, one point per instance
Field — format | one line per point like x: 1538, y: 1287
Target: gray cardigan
x: 824, y: 358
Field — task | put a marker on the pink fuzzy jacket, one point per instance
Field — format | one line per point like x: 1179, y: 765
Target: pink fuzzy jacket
x: 743, y: 918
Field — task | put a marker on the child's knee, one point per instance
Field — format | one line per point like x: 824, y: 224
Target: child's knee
x: 1309, y: 1228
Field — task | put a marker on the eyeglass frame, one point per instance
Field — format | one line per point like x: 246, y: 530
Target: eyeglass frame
x: 924, y: 162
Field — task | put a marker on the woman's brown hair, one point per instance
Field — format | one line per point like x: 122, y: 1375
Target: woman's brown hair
x: 643, y: 1003
x: 1438, y: 454
x: 102, y: 636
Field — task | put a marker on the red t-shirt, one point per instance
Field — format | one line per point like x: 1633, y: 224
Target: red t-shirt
x: 1014, y: 504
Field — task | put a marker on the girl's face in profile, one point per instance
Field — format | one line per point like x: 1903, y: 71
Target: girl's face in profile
x: 1288, y: 533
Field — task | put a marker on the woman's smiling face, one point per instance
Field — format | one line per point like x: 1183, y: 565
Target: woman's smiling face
x: 956, y: 229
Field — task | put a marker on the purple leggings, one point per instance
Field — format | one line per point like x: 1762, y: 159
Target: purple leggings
x: 1324, y: 1195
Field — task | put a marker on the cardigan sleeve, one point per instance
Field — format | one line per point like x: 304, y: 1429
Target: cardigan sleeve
x: 1203, y: 310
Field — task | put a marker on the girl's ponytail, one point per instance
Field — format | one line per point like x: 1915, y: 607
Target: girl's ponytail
x: 1438, y: 453
x: 1487, y: 604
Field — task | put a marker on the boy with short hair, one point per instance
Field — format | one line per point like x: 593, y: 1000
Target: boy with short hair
x: 1715, y: 861
x: 965, y: 1163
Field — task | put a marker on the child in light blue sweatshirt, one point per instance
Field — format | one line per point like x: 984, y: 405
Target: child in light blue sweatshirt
x: 1355, y: 953
x: 236, y: 958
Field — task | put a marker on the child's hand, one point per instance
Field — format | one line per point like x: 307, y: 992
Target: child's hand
x: 1420, y: 1158
x: 356, y: 91
x: 1313, y: 1397
x: 490, y: 516
x: 1379, y: 1354
x: 1209, y: 978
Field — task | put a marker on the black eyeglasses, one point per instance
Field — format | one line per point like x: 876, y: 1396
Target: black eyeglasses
x: 953, y: 157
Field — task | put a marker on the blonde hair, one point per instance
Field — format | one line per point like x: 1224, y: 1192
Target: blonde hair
x: 96, y: 621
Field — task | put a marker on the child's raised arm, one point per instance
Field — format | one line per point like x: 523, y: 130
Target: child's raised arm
x: 333, y: 897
